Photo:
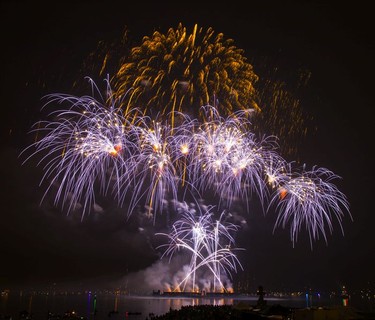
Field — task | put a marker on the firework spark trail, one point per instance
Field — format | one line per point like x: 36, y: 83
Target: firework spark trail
x: 156, y: 175
x: 219, y: 262
x: 180, y: 71
x: 203, y: 237
x: 81, y: 147
x: 228, y: 157
x: 276, y: 170
x: 282, y: 113
x: 183, y: 146
x: 310, y: 198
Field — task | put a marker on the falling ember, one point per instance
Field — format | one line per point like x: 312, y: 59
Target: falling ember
x: 115, y: 150
x: 282, y: 192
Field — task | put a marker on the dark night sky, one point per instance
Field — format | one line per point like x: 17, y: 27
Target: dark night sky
x: 44, y: 46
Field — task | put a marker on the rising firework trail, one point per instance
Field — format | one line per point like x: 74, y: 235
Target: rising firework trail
x: 210, y: 244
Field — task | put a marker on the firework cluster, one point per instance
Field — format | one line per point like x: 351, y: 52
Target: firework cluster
x: 211, y: 247
x: 92, y: 146
x: 182, y: 70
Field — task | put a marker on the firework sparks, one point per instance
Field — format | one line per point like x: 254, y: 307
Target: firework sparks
x: 157, y: 174
x: 310, y: 198
x: 210, y: 244
x: 179, y: 70
x: 227, y: 157
x: 92, y: 146
x: 182, y: 70
x: 85, y: 144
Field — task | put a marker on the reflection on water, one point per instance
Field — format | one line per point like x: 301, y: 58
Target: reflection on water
x: 94, y: 305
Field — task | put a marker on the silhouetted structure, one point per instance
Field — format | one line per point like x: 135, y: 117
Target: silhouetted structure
x: 260, y: 292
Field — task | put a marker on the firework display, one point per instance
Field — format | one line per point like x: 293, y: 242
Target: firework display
x: 178, y: 122
x: 210, y: 245
x: 92, y: 143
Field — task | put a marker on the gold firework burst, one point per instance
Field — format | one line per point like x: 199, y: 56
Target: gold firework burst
x: 182, y: 71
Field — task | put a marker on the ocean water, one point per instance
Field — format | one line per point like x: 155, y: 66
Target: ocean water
x: 90, y: 305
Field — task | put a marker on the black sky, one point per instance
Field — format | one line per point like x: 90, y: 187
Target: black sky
x: 43, y: 48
